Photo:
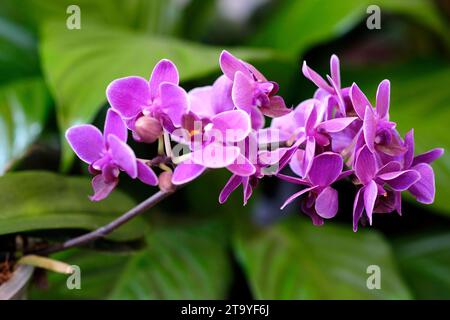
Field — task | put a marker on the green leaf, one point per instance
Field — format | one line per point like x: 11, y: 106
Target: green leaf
x: 298, y: 25
x: 78, y: 76
x: 425, y: 263
x: 180, y: 262
x: 420, y: 99
x: 18, y: 49
x: 155, y: 16
x: 38, y: 200
x: 296, y: 260
x: 23, y: 111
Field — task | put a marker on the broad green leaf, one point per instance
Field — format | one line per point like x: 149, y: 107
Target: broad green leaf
x: 180, y: 262
x: 154, y: 16
x: 79, y: 64
x: 295, y: 260
x: 298, y: 25
x: 18, y: 52
x: 420, y: 99
x: 38, y: 200
x: 23, y: 111
x: 425, y: 263
x: 185, y: 262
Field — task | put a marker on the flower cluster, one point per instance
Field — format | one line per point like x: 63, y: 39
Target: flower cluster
x: 337, y: 134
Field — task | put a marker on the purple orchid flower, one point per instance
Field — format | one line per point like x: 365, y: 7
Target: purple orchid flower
x: 251, y: 91
x: 374, y: 180
x: 322, y: 200
x: 159, y: 98
x: 311, y: 130
x: 108, y: 154
x: 330, y: 92
x: 212, y: 144
x: 424, y: 189
x: 379, y: 133
x: 207, y: 102
x: 263, y: 162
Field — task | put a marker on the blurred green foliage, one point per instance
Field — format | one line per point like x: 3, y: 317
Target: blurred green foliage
x: 52, y: 78
x: 39, y: 200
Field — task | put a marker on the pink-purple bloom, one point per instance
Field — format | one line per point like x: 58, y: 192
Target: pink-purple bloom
x: 251, y: 91
x: 335, y: 135
x: 340, y: 126
x: 107, y: 154
x: 160, y: 97
x: 374, y: 180
x: 321, y: 201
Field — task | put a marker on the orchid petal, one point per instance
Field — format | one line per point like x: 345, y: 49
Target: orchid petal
x: 295, y: 180
x: 276, y: 108
x: 336, y: 125
x: 174, y: 102
x: 335, y: 70
x: 115, y: 125
x: 296, y: 163
x: 424, y: 189
x: 257, y: 118
x: 359, y: 100
x: 146, y: 174
x: 233, y: 125
x: 382, y: 103
x: 102, y: 188
x: 327, y: 203
x: 248, y: 190
x: 129, y: 95
x: 122, y: 155
x: 309, y: 155
x: 221, y: 95
x: 296, y: 195
x: 269, y: 136
x: 230, y: 65
x: 390, y: 167
x: 428, y: 156
x: 229, y: 187
x: 409, y: 144
x: 86, y: 141
x: 370, y: 128
x: 325, y: 169
x: 242, y: 167
x: 164, y: 71
x: 370, y: 195
x: 400, y: 180
x: 365, y: 165
x: 215, y: 155
x: 186, y: 172
x: 358, y: 208
x: 338, y: 96
x: 311, y: 121
x: 200, y: 101
x: 315, y: 78
x: 243, y: 91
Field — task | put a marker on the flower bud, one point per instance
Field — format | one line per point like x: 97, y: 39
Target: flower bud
x: 148, y: 129
x: 165, y: 182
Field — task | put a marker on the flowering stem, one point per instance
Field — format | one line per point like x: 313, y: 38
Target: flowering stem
x: 110, y: 227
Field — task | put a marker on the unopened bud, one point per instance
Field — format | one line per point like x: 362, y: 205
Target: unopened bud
x: 148, y: 129
x: 165, y: 182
